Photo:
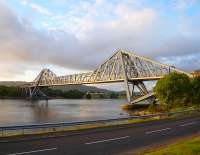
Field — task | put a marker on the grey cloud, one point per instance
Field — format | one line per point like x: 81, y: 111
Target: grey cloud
x: 21, y: 43
x: 188, y: 62
x: 180, y: 45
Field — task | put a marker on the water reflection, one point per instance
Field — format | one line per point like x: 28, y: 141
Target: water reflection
x: 17, y: 112
x: 40, y: 111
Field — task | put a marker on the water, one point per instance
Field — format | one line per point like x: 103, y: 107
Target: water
x: 20, y: 112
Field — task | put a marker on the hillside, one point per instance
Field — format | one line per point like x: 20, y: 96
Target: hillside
x: 12, y: 83
x: 64, y: 88
x: 83, y: 88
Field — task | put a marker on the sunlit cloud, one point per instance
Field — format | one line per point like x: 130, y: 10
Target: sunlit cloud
x: 40, y: 9
x: 70, y: 37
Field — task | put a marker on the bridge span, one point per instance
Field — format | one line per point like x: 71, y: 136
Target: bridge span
x: 123, y: 66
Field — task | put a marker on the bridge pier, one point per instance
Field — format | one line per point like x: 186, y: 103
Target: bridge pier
x: 34, y: 93
x: 141, y: 87
x: 139, y: 84
x: 145, y: 94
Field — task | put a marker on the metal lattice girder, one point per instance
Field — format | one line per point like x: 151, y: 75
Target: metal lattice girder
x: 135, y: 67
x: 121, y: 67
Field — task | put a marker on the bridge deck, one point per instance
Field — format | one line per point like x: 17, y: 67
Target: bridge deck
x: 59, y: 82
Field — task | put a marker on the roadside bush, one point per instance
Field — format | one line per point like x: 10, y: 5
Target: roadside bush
x: 173, y: 90
x: 154, y: 108
x: 195, y: 86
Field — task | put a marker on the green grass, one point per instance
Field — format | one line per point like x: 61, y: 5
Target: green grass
x: 184, y: 108
x: 187, y: 147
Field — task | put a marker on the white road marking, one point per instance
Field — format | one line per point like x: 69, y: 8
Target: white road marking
x: 150, y: 132
x: 107, y: 140
x: 34, y: 151
x: 187, y: 124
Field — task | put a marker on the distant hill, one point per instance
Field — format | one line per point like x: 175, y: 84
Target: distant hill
x: 64, y: 88
x: 82, y: 88
x: 12, y: 83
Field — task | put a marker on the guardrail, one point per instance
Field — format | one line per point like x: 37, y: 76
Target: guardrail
x: 66, y: 126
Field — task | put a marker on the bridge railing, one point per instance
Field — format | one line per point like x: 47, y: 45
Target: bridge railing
x: 66, y: 126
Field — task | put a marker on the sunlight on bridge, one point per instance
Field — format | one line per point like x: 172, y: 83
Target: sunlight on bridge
x: 121, y: 67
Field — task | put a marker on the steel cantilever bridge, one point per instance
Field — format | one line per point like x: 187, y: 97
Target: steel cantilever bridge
x: 123, y: 66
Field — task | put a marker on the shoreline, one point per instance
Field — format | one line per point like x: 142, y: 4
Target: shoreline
x: 50, y: 98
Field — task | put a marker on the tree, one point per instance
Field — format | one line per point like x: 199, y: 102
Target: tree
x: 114, y: 95
x: 173, y: 90
x: 10, y: 91
x: 73, y: 94
x: 195, y: 86
x: 88, y: 96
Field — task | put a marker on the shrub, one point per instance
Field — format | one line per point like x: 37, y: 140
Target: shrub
x: 173, y: 90
x: 195, y: 86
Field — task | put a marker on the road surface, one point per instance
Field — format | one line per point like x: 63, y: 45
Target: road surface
x: 105, y: 141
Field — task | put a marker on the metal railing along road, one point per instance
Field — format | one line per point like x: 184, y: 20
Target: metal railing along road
x: 64, y: 126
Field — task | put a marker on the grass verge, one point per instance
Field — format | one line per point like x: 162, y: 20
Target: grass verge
x: 186, y: 147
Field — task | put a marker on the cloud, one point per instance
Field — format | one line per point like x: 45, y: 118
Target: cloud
x: 180, y: 46
x: 185, y: 61
x: 40, y: 9
x: 84, y: 42
x: 24, y: 2
x: 183, y: 4
x: 21, y: 44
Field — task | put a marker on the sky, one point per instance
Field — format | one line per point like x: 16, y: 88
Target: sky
x: 72, y: 36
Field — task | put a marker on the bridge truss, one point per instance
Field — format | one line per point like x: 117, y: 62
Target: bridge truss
x: 123, y: 66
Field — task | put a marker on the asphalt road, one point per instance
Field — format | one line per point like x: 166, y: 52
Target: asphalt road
x: 104, y: 141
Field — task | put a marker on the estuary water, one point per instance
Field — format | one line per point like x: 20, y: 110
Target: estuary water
x: 21, y: 112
